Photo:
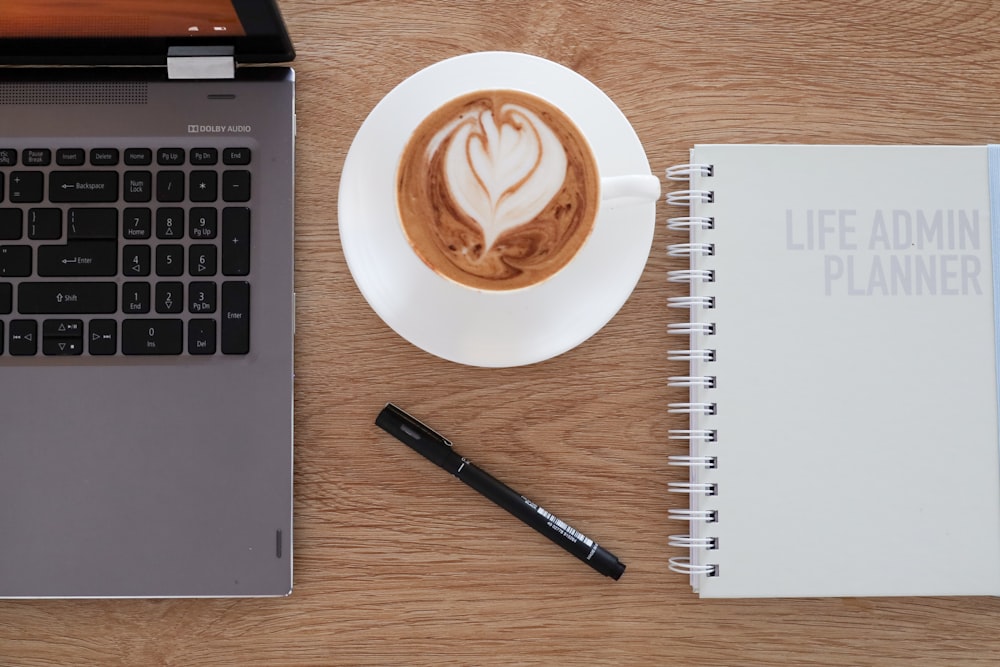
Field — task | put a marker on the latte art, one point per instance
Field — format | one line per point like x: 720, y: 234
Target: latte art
x: 497, y: 190
x: 502, y: 170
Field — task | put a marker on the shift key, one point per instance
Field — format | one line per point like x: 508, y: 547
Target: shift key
x: 65, y: 298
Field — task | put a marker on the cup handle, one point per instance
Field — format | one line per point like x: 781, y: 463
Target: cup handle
x: 645, y: 187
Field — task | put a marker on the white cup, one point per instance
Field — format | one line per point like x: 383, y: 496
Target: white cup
x: 496, y: 328
x: 635, y: 187
x: 517, y: 168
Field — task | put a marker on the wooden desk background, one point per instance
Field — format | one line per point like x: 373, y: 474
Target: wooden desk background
x: 398, y: 564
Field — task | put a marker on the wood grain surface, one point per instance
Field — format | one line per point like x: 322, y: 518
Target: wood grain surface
x: 398, y: 564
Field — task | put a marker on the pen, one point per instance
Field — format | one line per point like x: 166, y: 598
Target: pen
x: 438, y: 449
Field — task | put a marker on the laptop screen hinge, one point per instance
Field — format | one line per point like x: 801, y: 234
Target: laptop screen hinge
x: 201, y: 62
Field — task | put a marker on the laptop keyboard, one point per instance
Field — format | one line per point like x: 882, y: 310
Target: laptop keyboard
x: 124, y: 251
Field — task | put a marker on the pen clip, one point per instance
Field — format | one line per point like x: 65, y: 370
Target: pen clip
x: 412, y: 426
x: 418, y: 436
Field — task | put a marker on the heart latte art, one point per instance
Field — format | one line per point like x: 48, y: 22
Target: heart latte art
x: 497, y: 190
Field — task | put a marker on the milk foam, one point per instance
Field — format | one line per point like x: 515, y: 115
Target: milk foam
x: 501, y: 169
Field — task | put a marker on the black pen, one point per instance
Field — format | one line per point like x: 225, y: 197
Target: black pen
x: 438, y: 449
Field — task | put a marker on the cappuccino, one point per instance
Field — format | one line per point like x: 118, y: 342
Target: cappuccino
x: 497, y: 190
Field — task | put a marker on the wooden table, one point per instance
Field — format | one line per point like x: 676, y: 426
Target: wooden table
x: 396, y: 563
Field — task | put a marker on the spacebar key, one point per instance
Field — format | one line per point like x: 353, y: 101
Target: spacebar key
x: 66, y: 298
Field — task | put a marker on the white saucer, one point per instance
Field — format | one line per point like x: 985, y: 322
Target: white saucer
x: 483, y: 328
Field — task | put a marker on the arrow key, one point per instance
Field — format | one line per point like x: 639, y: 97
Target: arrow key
x: 23, y: 338
x: 62, y: 347
x: 62, y: 329
x: 103, y: 337
x: 62, y: 337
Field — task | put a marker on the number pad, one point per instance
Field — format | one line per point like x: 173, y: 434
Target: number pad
x: 169, y: 260
x: 169, y: 297
x: 170, y: 223
x: 135, y: 298
x: 136, y: 260
x: 110, y: 250
x: 202, y: 261
x: 201, y: 336
x: 137, y: 223
x: 203, y: 223
x: 202, y: 297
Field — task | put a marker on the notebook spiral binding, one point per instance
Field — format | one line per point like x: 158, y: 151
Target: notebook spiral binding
x: 699, y: 355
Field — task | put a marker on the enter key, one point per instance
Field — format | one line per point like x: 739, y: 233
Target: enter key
x: 82, y: 258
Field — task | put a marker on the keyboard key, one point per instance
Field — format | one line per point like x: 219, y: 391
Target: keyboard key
x: 138, y: 157
x: 7, y: 299
x: 138, y: 186
x: 169, y: 260
x: 26, y: 187
x: 201, y: 261
x: 152, y: 337
x: 83, y: 186
x: 170, y: 156
x: 169, y: 297
x: 135, y: 298
x: 236, y: 186
x: 204, y: 156
x: 77, y: 285
x: 23, y: 338
x: 80, y: 258
x: 66, y: 298
x: 137, y: 223
x: 15, y: 261
x: 201, y: 297
x: 62, y: 346
x: 204, y: 186
x: 236, y: 155
x: 62, y: 337
x: 103, y: 338
x: 92, y: 223
x: 170, y: 223
x: 136, y: 260
x: 62, y: 329
x: 235, y: 317
x: 45, y: 224
x: 70, y: 157
x: 36, y: 157
x: 201, y: 336
x: 235, y: 241
x: 170, y: 186
x: 203, y: 223
x: 104, y: 157
x: 11, y: 224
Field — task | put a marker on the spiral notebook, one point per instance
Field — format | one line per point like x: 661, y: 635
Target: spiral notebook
x: 839, y: 330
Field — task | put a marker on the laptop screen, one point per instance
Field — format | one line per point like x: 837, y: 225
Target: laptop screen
x: 118, y: 18
x: 128, y: 32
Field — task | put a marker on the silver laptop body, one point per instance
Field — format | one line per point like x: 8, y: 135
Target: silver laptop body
x: 146, y: 408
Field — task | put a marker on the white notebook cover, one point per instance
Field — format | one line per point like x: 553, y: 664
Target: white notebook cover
x: 856, y: 429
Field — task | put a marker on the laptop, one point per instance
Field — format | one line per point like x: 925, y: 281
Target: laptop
x: 146, y: 299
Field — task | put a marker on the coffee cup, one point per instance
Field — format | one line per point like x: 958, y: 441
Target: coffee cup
x: 499, y: 189
x: 477, y: 321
